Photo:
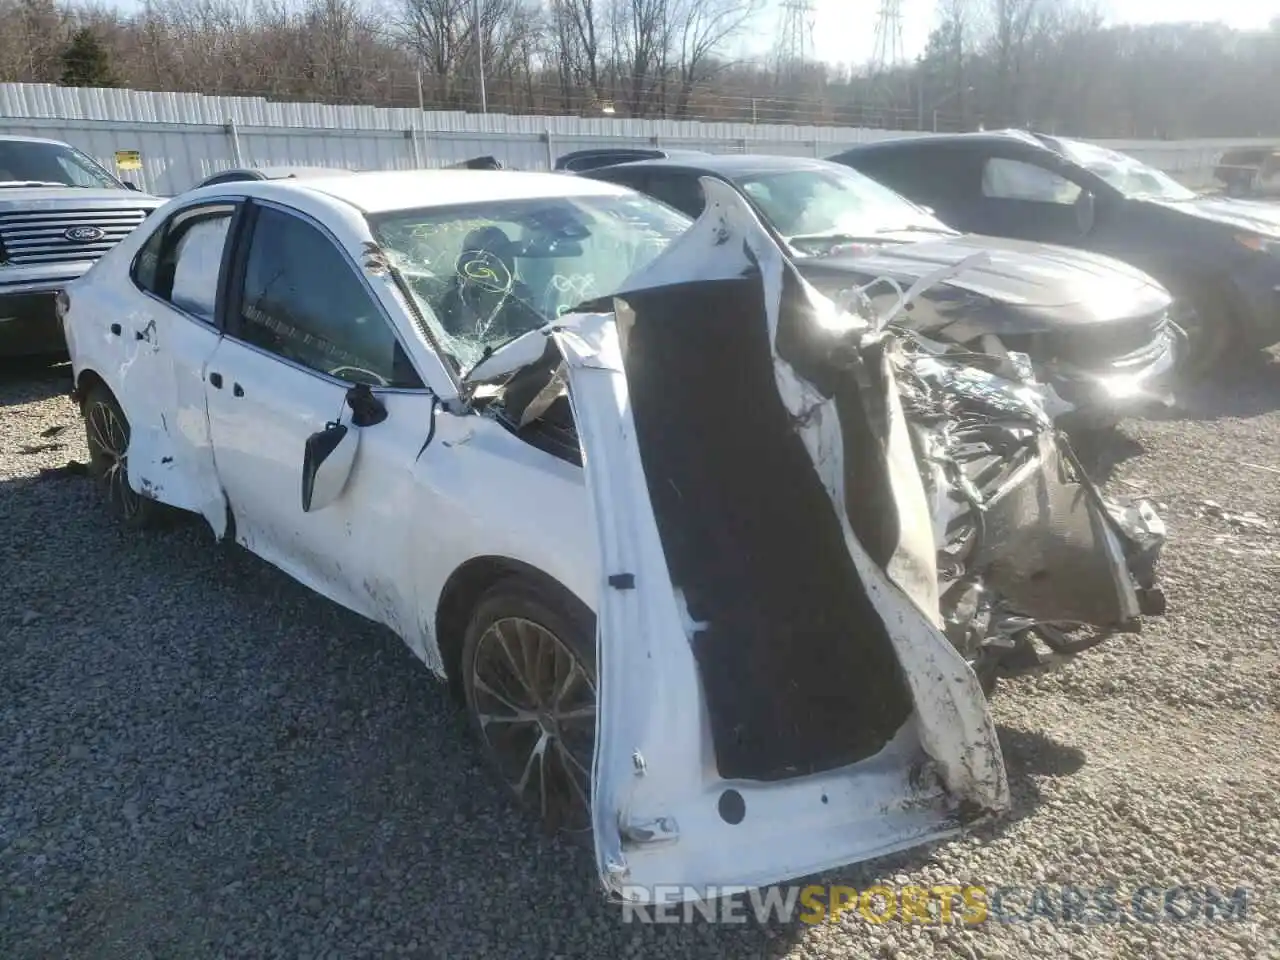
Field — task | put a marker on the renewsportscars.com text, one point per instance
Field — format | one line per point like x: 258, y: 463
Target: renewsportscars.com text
x: 971, y: 905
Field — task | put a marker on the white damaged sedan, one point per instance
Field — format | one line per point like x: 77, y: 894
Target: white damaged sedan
x: 614, y: 478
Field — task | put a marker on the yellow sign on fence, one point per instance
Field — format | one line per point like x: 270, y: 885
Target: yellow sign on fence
x: 128, y: 160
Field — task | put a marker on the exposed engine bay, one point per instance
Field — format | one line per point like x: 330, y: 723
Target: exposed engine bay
x: 1030, y: 554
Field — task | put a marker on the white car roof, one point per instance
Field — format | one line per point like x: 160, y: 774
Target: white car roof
x: 379, y: 191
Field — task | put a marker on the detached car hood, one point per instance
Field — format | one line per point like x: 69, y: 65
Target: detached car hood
x: 1057, y: 285
x: 1252, y: 215
x: 35, y: 198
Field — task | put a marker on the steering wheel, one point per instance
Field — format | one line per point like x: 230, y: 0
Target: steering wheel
x: 341, y: 374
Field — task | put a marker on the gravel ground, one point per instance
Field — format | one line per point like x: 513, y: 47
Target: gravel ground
x: 199, y: 758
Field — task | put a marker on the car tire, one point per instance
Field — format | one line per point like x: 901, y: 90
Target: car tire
x: 107, y: 435
x: 988, y: 678
x: 529, y: 681
x: 1208, y: 320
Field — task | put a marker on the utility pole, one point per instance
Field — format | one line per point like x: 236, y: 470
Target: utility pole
x: 484, y: 100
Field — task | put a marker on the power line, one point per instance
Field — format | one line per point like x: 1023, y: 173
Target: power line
x: 889, y: 51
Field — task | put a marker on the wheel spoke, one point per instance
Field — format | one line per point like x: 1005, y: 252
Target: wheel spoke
x: 98, y: 425
x: 523, y: 713
x: 535, y: 757
x: 530, y: 658
x: 568, y: 762
x: 587, y: 712
x: 120, y: 444
x: 501, y: 638
x: 567, y: 754
x: 563, y: 688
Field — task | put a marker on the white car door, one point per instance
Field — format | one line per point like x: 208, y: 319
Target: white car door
x: 304, y: 329
x: 167, y: 341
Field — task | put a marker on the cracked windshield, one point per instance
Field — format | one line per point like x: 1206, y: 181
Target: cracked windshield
x: 487, y: 273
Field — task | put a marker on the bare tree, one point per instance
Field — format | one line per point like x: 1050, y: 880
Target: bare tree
x: 702, y: 31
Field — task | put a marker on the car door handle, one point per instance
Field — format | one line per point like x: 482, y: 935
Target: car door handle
x: 216, y: 380
x: 237, y: 390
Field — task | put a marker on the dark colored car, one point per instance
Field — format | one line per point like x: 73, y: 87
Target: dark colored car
x: 1097, y: 329
x: 238, y: 174
x: 1220, y: 257
x: 580, y: 161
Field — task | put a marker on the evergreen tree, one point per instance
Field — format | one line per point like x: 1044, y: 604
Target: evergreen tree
x: 85, y: 62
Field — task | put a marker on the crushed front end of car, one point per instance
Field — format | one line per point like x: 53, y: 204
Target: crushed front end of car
x: 814, y: 536
x: 1034, y: 563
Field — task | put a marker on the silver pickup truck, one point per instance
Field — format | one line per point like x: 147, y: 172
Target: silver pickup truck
x: 59, y: 212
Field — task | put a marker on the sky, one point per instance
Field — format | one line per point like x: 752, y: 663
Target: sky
x: 844, y: 30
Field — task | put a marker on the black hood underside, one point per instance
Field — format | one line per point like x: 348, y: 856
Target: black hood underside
x: 797, y: 665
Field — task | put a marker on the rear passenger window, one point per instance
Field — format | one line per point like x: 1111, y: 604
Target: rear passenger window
x: 1006, y: 179
x: 180, y: 262
x: 197, y: 260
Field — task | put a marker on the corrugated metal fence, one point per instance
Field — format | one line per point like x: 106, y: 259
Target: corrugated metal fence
x: 184, y: 137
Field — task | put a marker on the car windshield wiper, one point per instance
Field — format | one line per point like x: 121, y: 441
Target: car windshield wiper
x: 916, y: 228
x: 833, y: 238
x: 32, y: 183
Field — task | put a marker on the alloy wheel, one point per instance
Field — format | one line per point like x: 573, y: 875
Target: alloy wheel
x: 109, y: 446
x: 535, y: 703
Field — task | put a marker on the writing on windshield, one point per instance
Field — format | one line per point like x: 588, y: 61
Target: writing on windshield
x: 486, y: 273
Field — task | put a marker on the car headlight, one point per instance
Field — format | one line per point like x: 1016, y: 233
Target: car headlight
x: 1259, y: 242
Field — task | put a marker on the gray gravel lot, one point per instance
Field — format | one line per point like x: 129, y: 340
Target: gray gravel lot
x: 200, y: 758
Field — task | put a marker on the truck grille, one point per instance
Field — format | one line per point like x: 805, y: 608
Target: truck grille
x: 40, y: 236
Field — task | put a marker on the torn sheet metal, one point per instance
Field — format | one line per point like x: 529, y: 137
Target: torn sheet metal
x: 759, y: 454
x: 832, y: 531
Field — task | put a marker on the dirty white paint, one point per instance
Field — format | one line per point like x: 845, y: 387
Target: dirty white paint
x: 409, y: 516
x: 650, y: 695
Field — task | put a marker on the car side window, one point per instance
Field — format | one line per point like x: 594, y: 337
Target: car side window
x: 680, y: 190
x: 1004, y: 178
x: 181, y: 261
x: 923, y: 175
x: 303, y: 300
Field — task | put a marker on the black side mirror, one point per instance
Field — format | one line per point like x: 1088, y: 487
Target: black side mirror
x: 366, y: 409
x: 131, y: 186
x: 1085, y: 211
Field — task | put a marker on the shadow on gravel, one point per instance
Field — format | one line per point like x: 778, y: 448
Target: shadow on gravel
x: 1246, y: 386
x: 1102, y: 451
x: 25, y: 379
x: 207, y: 759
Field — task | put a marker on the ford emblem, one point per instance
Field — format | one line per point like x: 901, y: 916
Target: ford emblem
x: 84, y: 234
